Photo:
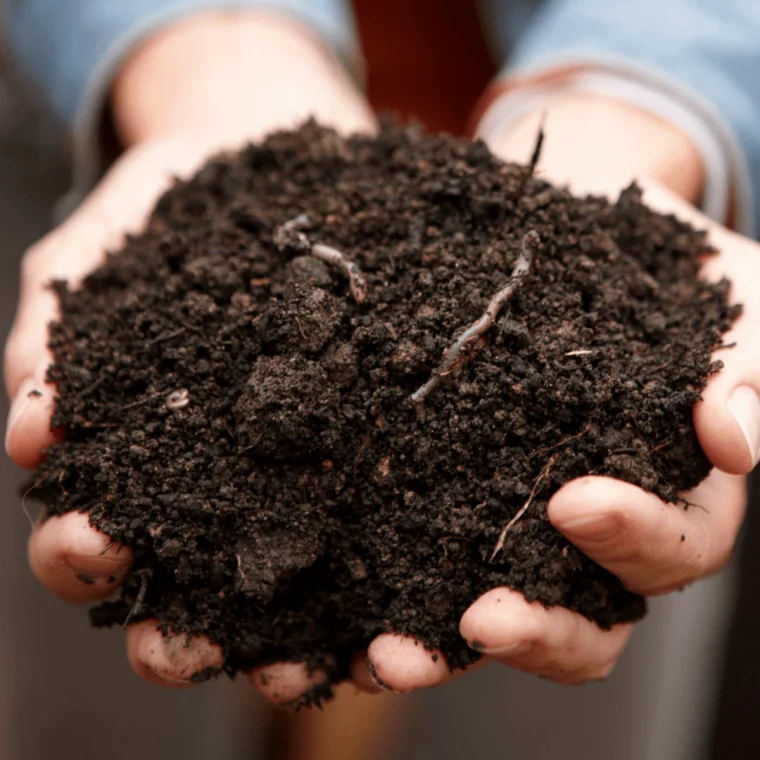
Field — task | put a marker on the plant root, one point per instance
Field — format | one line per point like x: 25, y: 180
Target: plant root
x: 333, y: 256
x: 543, y: 475
x: 289, y: 234
x: 529, y: 247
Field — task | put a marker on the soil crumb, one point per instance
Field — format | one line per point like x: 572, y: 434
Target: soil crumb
x: 236, y: 388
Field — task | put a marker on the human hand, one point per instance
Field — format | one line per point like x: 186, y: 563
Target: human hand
x: 600, y: 146
x: 176, y: 102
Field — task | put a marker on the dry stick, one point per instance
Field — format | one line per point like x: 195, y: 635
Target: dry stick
x: 144, y: 574
x: 536, y: 156
x: 530, y: 245
x: 541, y: 477
x: 530, y: 168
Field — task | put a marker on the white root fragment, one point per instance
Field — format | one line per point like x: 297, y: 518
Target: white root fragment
x: 178, y: 399
x: 580, y: 352
x: 291, y: 231
x: 333, y: 256
x: 530, y: 245
x: 296, y: 223
x: 524, y: 508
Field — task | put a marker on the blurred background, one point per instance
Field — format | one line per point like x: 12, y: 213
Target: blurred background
x: 686, y: 689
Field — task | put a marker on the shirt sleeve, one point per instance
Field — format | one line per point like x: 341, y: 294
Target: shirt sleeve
x: 72, y: 48
x: 692, y: 61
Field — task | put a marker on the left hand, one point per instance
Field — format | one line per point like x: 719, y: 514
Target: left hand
x: 601, y: 146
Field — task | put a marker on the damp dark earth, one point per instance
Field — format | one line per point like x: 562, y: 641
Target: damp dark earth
x: 330, y: 389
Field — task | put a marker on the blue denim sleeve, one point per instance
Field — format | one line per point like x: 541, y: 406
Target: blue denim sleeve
x: 71, y: 46
x: 706, y: 52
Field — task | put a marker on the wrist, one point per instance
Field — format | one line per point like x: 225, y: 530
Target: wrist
x: 230, y: 77
x: 596, y: 144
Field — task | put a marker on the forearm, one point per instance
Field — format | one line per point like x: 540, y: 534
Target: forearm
x: 598, y: 144
x: 227, y: 77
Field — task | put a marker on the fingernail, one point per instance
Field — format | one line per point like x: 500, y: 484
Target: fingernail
x: 375, y: 678
x: 90, y: 573
x: 315, y: 697
x: 744, y: 405
x: 590, y: 528
x: 205, y: 674
x: 515, y: 648
x: 27, y: 391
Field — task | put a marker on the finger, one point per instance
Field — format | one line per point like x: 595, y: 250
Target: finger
x: 727, y: 420
x: 176, y: 661
x: 120, y: 205
x: 74, y: 561
x: 651, y: 546
x: 361, y: 676
x: 28, y: 431
x: 552, y: 643
x: 401, y: 664
x: 289, y: 683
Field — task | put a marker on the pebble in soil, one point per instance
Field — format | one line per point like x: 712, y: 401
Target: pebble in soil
x: 240, y: 416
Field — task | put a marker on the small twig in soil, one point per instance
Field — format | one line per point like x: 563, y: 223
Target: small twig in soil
x: 165, y: 337
x: 529, y: 247
x: 300, y: 328
x: 243, y: 577
x: 661, y: 446
x: 138, y: 605
x: 543, y: 475
x: 142, y: 401
x: 581, y: 352
x: 90, y: 388
x: 536, y: 155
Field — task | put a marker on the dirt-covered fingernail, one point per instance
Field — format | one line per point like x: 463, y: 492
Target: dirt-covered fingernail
x: 97, y: 572
x: 744, y: 405
x: 28, y: 391
x: 205, y: 674
x: 515, y: 648
x: 595, y: 527
x: 375, y: 677
x: 315, y: 697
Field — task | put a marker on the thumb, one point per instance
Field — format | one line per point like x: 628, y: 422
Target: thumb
x: 118, y: 206
x: 727, y: 420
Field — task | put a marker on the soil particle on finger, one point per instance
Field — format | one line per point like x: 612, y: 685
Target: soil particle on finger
x: 242, y: 419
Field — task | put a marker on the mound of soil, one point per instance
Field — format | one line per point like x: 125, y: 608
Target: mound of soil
x: 237, y: 398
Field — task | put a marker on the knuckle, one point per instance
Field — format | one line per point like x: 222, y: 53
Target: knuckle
x: 36, y: 257
x: 603, y: 671
x: 533, y: 640
x: 12, y: 351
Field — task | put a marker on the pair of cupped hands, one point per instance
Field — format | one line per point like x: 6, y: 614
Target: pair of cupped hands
x: 626, y: 530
